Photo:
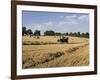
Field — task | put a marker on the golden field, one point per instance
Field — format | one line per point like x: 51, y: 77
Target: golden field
x: 47, y: 52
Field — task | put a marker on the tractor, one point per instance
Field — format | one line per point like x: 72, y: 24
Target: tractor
x: 63, y: 39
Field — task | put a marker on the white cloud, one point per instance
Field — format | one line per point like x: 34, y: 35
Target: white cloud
x: 48, y: 23
x: 71, y: 19
x: 82, y: 17
x: 36, y: 27
x: 57, y: 26
x: 66, y: 23
x: 70, y: 16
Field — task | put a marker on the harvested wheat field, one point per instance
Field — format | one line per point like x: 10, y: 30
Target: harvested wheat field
x: 46, y: 52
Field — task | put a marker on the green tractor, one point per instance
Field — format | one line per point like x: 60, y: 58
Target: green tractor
x: 63, y: 39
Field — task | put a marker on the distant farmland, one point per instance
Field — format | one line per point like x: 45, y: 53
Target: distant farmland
x: 47, y: 52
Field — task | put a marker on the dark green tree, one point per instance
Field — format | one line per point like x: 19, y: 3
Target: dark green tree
x: 24, y: 31
x: 29, y: 32
x: 74, y: 34
x: 70, y: 33
x: 78, y: 34
x: 49, y: 33
x: 67, y: 33
x: 87, y: 34
x: 58, y: 34
x: 37, y: 33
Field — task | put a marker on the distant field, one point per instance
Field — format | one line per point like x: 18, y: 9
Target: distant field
x: 47, y: 52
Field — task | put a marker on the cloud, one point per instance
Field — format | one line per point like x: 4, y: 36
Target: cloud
x: 70, y: 16
x: 48, y: 23
x: 71, y: 19
x: 83, y: 17
x: 65, y: 24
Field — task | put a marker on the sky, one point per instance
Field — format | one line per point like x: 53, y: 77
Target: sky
x: 56, y: 21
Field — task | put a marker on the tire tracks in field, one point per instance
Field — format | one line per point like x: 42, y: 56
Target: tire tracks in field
x: 71, y: 50
x: 74, y: 50
x: 51, y: 56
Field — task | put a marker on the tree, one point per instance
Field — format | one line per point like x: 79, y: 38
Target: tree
x: 37, y: 33
x: 78, y: 34
x: 70, y: 33
x: 58, y: 34
x: 74, y: 34
x: 24, y: 31
x: 83, y: 35
x: 29, y: 32
x: 49, y: 33
x: 86, y: 35
x: 67, y: 33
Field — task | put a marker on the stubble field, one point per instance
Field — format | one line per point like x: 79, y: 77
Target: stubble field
x: 46, y: 52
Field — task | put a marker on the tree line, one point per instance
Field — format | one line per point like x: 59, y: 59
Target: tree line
x: 75, y: 34
x: 53, y: 33
x: 30, y: 32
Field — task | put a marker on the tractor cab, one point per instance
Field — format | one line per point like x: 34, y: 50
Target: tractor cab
x: 63, y: 39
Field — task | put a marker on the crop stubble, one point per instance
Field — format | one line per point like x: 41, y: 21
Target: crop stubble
x: 53, y: 54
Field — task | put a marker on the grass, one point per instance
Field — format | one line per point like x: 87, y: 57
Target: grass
x: 46, y: 52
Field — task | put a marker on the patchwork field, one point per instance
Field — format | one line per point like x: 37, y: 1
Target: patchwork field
x: 47, y: 52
